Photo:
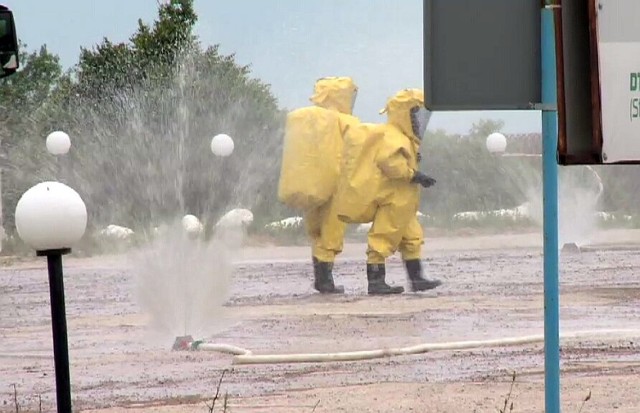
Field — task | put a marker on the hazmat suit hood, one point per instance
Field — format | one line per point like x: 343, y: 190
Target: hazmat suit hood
x: 402, y: 112
x: 336, y: 93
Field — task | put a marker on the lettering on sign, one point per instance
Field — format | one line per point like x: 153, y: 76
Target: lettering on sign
x: 634, y: 103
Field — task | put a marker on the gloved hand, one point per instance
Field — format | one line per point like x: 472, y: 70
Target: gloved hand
x: 422, y: 179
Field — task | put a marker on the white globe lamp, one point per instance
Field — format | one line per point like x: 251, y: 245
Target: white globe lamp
x: 51, y: 216
x: 192, y: 225
x: 58, y: 143
x: 496, y: 143
x: 222, y: 145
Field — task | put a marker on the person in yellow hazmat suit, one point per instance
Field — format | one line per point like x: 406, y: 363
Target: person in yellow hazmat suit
x: 395, y: 224
x: 311, y: 167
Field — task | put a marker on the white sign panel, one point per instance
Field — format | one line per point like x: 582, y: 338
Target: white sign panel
x: 619, y: 60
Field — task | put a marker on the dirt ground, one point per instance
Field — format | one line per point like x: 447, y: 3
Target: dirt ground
x: 493, y: 289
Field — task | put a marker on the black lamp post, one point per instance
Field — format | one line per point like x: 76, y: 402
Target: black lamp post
x: 59, y: 327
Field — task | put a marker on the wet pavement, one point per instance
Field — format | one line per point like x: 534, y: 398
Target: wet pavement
x: 487, y: 294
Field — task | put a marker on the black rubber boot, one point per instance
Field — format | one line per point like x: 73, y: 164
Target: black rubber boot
x: 376, y: 274
x: 323, y: 276
x: 418, y: 282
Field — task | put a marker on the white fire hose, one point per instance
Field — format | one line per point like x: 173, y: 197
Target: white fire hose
x: 244, y: 356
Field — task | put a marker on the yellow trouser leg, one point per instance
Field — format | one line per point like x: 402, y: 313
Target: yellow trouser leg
x: 312, y: 222
x: 412, y: 241
x: 385, y: 234
x: 331, y: 238
x: 326, y: 232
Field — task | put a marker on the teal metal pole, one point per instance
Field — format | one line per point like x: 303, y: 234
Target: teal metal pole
x: 550, y: 211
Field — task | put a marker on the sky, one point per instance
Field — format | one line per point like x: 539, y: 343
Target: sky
x: 288, y: 43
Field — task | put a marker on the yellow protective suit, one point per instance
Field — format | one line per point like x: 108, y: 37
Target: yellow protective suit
x: 358, y: 183
x: 395, y: 225
x: 311, y: 162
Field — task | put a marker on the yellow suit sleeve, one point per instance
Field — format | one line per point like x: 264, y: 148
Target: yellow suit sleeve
x: 396, y: 165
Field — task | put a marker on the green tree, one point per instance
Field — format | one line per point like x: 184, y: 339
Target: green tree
x: 151, y: 55
x: 23, y: 95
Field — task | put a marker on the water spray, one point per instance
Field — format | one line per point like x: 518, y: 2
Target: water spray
x: 183, y: 280
x: 183, y: 276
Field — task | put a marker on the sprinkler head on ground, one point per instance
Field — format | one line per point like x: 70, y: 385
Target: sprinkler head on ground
x: 496, y: 143
x: 58, y: 143
x: 50, y: 215
x: 222, y: 145
x: 182, y: 343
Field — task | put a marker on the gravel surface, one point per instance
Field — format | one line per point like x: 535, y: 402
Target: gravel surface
x: 493, y: 288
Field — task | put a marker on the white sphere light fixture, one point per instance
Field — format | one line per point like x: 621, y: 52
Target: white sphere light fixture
x: 51, y: 216
x: 222, y: 145
x: 191, y: 224
x: 58, y: 143
x: 496, y: 143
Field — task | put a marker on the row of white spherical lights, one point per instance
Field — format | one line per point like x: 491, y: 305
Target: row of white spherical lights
x: 59, y: 143
x: 52, y: 215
